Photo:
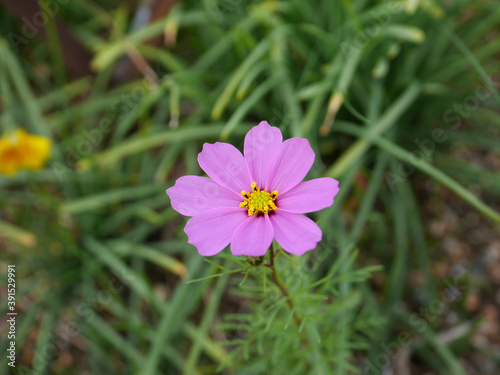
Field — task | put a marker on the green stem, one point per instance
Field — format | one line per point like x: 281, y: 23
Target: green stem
x: 276, y: 279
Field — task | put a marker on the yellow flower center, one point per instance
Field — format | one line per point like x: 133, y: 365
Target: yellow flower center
x: 258, y: 200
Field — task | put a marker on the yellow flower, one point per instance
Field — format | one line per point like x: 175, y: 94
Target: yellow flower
x: 22, y: 150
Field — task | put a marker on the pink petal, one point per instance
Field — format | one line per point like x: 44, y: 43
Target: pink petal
x: 290, y: 164
x: 295, y: 232
x: 226, y: 166
x: 309, y: 196
x: 211, y: 231
x: 192, y: 195
x: 253, y: 237
x: 261, y: 143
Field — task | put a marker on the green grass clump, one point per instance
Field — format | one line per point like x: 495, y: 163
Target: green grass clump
x: 387, y: 93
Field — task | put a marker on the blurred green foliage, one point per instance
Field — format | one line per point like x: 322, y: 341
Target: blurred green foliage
x: 383, y: 90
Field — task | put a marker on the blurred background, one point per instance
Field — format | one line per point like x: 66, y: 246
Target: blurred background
x: 399, y: 100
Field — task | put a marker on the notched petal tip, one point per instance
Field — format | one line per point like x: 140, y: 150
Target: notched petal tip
x: 310, y: 196
x: 192, y: 195
x: 261, y: 143
x: 253, y: 237
x: 296, y: 233
x: 211, y: 231
x: 225, y: 164
x: 290, y: 165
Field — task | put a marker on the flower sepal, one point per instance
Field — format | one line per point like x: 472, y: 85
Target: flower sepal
x: 255, y: 261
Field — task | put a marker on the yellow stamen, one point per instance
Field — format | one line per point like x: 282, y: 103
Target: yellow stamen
x: 257, y: 200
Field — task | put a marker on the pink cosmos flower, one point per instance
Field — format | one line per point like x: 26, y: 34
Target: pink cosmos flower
x: 249, y: 200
